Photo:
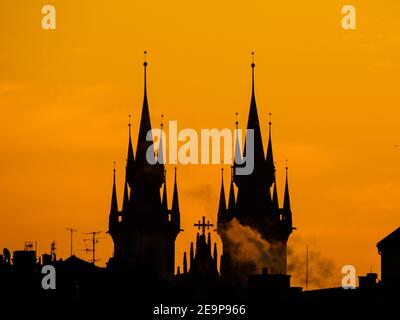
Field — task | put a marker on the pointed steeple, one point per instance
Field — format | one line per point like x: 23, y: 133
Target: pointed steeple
x: 253, y: 95
x: 185, y: 266
x: 269, y: 160
x: 164, y: 203
x: 178, y: 272
x: 114, y: 202
x: 237, y: 157
x: 222, y: 202
x: 286, y: 200
x: 130, y: 158
x: 125, y: 202
x: 253, y: 123
x: 145, y: 126
x: 175, y: 200
x: 197, y: 241
x: 231, y: 200
x: 114, y: 214
x: 160, y: 156
x: 275, y: 202
x: 287, y: 211
x: 191, y: 254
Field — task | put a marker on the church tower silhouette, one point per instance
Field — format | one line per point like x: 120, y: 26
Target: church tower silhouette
x: 254, y: 206
x: 144, y: 231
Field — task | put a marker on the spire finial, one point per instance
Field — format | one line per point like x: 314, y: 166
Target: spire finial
x: 162, y: 121
x: 287, y: 167
x: 145, y: 75
x: 145, y: 59
x: 252, y: 74
x: 270, y: 124
x: 129, y: 125
x: 114, y: 167
x: 237, y: 120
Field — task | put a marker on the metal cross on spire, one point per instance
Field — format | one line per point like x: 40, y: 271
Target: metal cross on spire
x: 203, y: 225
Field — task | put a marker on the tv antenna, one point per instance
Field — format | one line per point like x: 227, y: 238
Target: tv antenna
x: 71, y: 230
x: 28, y: 246
x: 53, y: 250
x: 94, y: 240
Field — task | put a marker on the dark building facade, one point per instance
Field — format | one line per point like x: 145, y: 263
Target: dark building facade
x: 389, y: 250
x: 256, y: 204
x: 144, y: 231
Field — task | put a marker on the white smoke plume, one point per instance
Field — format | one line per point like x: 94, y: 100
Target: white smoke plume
x: 250, y: 249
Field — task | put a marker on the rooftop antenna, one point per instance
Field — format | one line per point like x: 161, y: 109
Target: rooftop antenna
x: 307, y: 268
x: 71, y: 230
x: 94, y: 240
x: 28, y: 246
x: 53, y: 249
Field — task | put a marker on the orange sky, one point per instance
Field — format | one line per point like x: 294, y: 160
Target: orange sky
x: 65, y: 96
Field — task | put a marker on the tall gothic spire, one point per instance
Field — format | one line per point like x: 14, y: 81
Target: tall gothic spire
x: 164, y: 204
x: 253, y: 123
x: 237, y: 157
x: 125, y: 202
x: 175, y: 200
x: 114, y: 202
x: 145, y: 125
x: 231, y: 200
x: 253, y: 65
x: 160, y: 156
x: 269, y: 160
x: 275, y: 202
x: 222, y: 201
x: 130, y: 158
x: 287, y: 211
x: 286, y: 200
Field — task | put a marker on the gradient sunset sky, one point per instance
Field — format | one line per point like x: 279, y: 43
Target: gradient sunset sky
x: 65, y: 97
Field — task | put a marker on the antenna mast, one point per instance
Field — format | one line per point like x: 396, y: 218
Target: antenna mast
x: 71, y: 230
x: 94, y: 241
x: 53, y: 250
